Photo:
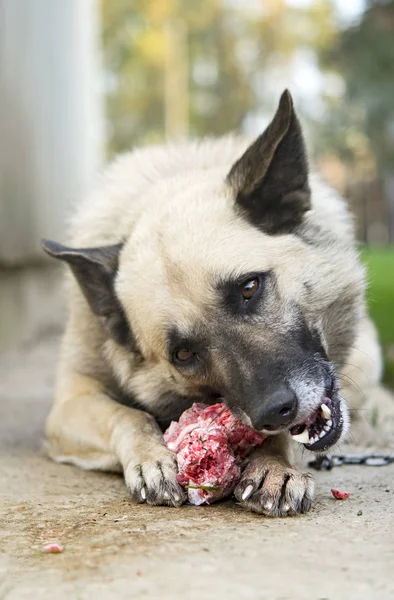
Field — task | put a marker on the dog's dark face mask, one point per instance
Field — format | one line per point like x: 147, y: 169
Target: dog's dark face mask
x: 251, y: 345
x: 257, y: 352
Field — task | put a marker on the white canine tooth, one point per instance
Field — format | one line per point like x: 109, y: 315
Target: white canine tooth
x: 143, y: 493
x: 325, y: 411
x: 302, y: 438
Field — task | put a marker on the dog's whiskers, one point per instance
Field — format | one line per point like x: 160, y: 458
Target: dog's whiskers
x: 362, y: 352
x: 358, y: 368
x: 353, y: 383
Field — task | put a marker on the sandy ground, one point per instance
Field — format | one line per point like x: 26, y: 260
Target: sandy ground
x: 115, y: 549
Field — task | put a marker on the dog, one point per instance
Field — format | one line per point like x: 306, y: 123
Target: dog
x: 206, y: 270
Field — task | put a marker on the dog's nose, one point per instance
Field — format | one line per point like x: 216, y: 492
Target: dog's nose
x: 278, y: 409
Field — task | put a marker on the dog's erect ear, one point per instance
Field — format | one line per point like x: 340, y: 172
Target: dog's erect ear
x: 95, y: 270
x: 270, y: 180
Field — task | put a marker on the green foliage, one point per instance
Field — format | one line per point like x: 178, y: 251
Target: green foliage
x: 361, y: 121
x: 230, y: 50
x: 380, y: 263
x: 134, y: 43
x: 367, y: 52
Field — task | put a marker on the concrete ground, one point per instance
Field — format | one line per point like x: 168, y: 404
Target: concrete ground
x: 115, y: 549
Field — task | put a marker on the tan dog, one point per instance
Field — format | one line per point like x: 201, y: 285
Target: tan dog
x: 206, y: 270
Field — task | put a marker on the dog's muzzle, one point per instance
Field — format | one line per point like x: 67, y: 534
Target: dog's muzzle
x: 324, y: 427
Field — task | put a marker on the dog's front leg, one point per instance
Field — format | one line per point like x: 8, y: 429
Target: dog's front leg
x: 87, y: 428
x: 270, y: 486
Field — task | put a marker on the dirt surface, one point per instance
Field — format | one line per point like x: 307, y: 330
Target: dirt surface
x: 115, y: 549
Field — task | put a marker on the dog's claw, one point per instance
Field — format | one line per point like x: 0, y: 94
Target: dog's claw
x: 248, y: 491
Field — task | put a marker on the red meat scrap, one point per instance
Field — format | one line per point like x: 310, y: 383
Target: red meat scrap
x: 53, y: 548
x: 210, y: 443
x: 340, y: 495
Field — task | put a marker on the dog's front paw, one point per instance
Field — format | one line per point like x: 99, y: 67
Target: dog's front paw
x: 151, y: 477
x: 269, y: 487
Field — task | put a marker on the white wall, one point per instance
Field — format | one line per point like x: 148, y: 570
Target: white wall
x: 51, y: 118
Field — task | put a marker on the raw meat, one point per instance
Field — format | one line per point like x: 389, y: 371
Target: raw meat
x: 53, y: 549
x: 339, y: 495
x: 210, y: 444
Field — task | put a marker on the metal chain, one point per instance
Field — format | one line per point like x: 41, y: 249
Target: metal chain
x: 327, y: 462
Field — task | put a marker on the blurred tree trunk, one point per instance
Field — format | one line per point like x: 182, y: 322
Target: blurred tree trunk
x: 176, y: 80
x: 51, y: 124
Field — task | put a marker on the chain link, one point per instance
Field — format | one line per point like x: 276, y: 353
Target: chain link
x: 329, y: 461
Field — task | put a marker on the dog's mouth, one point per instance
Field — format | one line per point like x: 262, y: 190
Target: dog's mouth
x: 323, y: 428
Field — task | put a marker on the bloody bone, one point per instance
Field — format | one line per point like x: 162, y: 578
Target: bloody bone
x: 210, y: 443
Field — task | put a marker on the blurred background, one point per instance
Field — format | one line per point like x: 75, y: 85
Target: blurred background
x: 81, y: 80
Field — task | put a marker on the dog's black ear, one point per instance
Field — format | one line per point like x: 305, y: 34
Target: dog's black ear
x: 270, y: 180
x: 95, y: 270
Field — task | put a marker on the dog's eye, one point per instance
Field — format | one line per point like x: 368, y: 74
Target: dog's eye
x: 249, y: 288
x: 183, y: 354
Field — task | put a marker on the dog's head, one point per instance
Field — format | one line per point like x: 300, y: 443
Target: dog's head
x: 216, y: 293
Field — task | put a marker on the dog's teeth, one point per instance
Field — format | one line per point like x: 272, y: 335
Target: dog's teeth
x: 143, y: 493
x: 302, y: 438
x: 329, y: 423
x: 315, y: 439
x: 322, y: 434
x: 327, y: 428
x: 247, y: 492
x: 325, y: 411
